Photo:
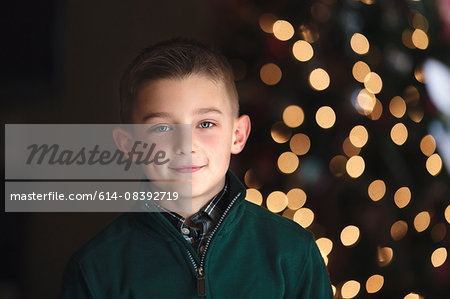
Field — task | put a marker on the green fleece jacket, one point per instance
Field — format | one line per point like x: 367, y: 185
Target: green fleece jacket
x: 251, y: 253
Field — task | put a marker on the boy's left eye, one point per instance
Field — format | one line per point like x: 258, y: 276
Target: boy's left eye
x: 206, y: 124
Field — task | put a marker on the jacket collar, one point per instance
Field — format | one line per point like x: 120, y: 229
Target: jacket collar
x: 157, y: 223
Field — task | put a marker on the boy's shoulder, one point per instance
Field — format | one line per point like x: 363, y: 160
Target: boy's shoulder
x: 274, y: 223
x: 112, y: 236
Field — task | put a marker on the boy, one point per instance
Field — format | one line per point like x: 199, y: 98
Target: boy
x: 226, y: 247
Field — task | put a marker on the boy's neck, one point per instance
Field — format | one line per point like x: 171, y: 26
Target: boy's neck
x: 197, y: 203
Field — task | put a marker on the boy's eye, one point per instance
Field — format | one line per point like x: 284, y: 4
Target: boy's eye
x: 206, y: 124
x: 162, y: 128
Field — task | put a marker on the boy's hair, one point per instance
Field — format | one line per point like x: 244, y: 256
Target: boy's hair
x: 176, y: 58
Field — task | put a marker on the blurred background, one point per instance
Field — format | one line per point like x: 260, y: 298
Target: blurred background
x: 350, y: 109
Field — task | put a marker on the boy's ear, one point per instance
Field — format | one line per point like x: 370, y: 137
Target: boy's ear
x: 240, y: 134
x: 124, y: 141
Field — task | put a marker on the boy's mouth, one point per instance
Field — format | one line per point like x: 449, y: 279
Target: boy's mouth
x: 187, y: 169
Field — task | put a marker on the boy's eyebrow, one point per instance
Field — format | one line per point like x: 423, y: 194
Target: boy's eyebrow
x: 157, y: 114
x: 207, y: 110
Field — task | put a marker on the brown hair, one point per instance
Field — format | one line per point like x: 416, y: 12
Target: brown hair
x: 175, y: 59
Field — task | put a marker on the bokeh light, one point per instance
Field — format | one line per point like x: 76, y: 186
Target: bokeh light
x: 402, y: 197
x: 407, y: 39
x: 293, y: 116
x: 283, y: 30
x: 397, y: 107
x: 308, y: 33
x: 434, y: 164
x: 438, y: 232
x: 384, y: 256
x: 350, y: 235
x: 447, y: 214
x: 254, y: 196
x: 325, y: 246
x: 270, y: 74
x: 373, y: 83
x: 250, y: 179
x: 288, y: 162
x: 337, y: 165
x: 355, y: 166
x: 300, y: 144
x: 350, y: 289
x: 374, y: 283
x: 319, y: 79
x: 359, y: 136
x: 377, y: 110
x: 399, y: 134
x: 280, y: 132
x: 365, y: 102
x: 296, y: 198
x: 349, y: 149
x: 304, y: 217
x: 377, y: 190
x: 360, y: 70
x: 277, y: 201
x: 302, y: 50
x: 422, y: 221
x: 399, y: 230
x: 438, y: 257
x: 359, y: 44
x: 325, y: 117
x: 266, y: 21
x: 420, y: 39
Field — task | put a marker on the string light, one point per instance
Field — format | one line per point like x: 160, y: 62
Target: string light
x: 302, y: 50
x: 355, y: 166
x: 399, y: 230
x: 438, y: 257
x: 300, y: 144
x: 254, y: 196
x: 399, y: 134
x: 293, y: 116
x: 296, y: 198
x: 350, y: 289
x: 319, y: 79
x: 350, y: 235
x: 434, y: 164
x: 377, y: 190
x: 277, y: 201
x: 359, y: 44
x: 402, y: 197
x: 374, y: 283
x: 397, y: 107
x: 422, y: 221
x: 283, y: 30
x: 280, y: 133
x: 325, y: 117
x: 304, y: 217
x: 270, y: 74
x: 288, y: 162
x: 384, y: 256
x: 360, y: 70
x: 359, y: 136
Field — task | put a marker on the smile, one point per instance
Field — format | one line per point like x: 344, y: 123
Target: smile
x: 187, y: 169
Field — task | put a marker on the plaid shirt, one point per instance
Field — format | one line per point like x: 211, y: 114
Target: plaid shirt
x: 205, y: 219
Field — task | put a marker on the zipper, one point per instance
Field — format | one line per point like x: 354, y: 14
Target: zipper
x: 200, y: 269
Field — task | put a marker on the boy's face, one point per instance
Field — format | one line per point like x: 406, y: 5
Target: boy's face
x: 215, y: 133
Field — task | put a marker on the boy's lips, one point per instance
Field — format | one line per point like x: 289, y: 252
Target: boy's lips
x: 187, y: 169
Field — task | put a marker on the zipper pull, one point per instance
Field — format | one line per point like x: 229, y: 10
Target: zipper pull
x: 201, y: 286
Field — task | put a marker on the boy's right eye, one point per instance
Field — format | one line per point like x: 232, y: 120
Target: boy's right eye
x: 161, y: 128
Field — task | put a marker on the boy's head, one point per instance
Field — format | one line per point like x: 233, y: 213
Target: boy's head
x: 176, y: 58
x: 182, y: 81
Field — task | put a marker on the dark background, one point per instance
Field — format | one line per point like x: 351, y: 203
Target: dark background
x: 61, y: 62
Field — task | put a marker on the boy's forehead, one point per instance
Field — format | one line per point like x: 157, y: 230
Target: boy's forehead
x: 196, y: 94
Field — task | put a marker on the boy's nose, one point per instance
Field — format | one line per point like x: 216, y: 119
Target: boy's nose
x: 183, y: 141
